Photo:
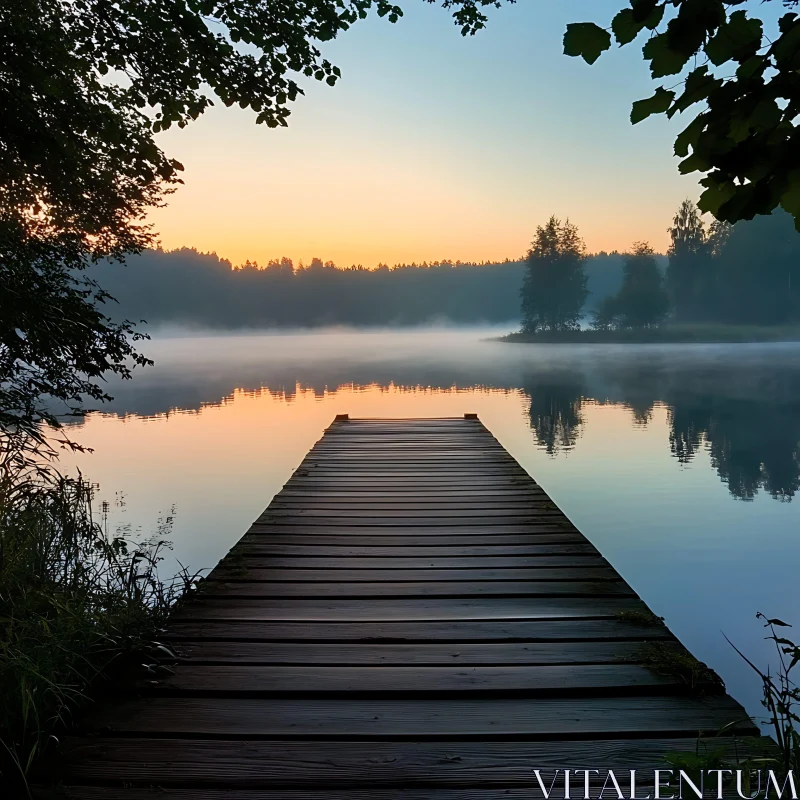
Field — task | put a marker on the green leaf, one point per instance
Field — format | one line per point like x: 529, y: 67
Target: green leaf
x: 587, y: 40
x: 694, y: 163
x: 739, y: 38
x: 766, y: 115
x: 785, y: 48
x: 715, y: 195
x: 654, y: 20
x: 663, y: 60
x: 698, y: 86
x: 625, y: 27
x: 659, y: 103
x: 689, y: 136
x: 751, y: 67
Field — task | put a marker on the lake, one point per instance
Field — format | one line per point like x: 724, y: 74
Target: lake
x: 679, y: 462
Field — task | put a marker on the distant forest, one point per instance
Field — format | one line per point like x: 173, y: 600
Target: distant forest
x: 185, y: 287
x: 748, y: 273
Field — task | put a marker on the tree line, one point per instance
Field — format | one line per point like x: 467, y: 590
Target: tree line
x: 189, y: 288
x: 744, y: 274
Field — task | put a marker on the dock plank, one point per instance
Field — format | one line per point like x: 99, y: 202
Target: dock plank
x: 284, y: 766
x: 409, y: 589
x: 388, y: 681
x: 264, y: 546
x: 327, y: 574
x: 575, y: 629
x: 467, y: 718
x: 417, y: 654
x: 409, y: 608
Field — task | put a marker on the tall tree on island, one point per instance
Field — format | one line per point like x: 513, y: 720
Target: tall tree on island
x: 554, y: 287
x: 690, y: 274
x: 642, y: 301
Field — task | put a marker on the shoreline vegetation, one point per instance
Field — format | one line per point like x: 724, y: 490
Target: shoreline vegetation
x: 77, y: 604
x: 685, y: 333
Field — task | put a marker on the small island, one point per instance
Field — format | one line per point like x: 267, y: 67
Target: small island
x: 718, y: 283
x: 676, y: 333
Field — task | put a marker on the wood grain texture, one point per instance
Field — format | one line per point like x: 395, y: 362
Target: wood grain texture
x: 468, y: 717
x: 577, y: 629
x: 272, y: 574
x: 462, y: 533
x: 412, y: 617
x: 416, y: 608
x: 382, y: 589
x: 417, y: 654
x: 305, y: 681
x: 264, y: 546
x: 281, y: 766
x: 418, y: 561
x: 406, y: 538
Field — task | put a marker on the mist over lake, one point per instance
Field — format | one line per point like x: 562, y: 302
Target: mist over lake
x: 680, y: 463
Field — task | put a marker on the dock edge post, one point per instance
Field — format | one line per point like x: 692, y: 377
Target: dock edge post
x: 340, y: 417
x: 470, y: 416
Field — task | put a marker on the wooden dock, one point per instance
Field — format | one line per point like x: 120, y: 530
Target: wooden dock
x: 411, y: 617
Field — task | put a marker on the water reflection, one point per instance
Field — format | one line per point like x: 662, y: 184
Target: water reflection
x: 748, y: 418
x: 555, y: 409
x: 741, y: 403
x: 633, y: 443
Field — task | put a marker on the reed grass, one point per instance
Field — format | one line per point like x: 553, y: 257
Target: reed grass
x: 781, y: 696
x: 75, y: 603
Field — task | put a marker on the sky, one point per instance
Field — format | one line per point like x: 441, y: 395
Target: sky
x: 435, y: 146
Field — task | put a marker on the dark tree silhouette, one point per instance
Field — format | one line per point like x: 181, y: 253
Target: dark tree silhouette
x: 759, y: 272
x: 554, y: 287
x: 642, y: 302
x: 690, y: 277
x: 745, y: 136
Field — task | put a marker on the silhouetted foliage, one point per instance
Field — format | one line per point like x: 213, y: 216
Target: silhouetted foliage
x: 187, y: 287
x: 642, y: 301
x: 190, y: 288
x: 747, y: 273
x: 759, y: 272
x: 744, y: 137
x: 554, y: 287
x: 55, y: 341
x: 690, y: 274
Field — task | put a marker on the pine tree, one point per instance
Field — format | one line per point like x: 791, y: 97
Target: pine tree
x: 554, y: 286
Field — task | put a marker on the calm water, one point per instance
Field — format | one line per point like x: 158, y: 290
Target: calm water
x: 680, y: 463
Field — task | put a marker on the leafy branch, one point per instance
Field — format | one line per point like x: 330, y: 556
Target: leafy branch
x: 744, y: 137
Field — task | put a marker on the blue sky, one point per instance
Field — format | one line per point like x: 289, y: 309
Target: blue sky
x: 436, y: 146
